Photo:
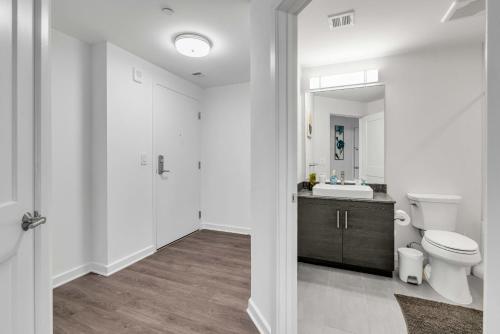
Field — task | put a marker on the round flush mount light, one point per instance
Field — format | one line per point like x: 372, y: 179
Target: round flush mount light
x: 193, y: 45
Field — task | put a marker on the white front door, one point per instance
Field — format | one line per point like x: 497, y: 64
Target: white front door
x: 177, y: 187
x: 17, y: 271
x: 372, y: 147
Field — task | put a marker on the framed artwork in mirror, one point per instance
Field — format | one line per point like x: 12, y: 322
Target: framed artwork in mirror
x: 339, y: 142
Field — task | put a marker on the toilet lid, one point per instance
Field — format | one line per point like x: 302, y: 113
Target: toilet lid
x: 451, y: 241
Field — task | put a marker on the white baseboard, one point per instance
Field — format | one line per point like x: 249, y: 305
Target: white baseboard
x: 102, y: 269
x: 257, y: 318
x: 70, y: 275
x: 110, y: 269
x: 225, y: 228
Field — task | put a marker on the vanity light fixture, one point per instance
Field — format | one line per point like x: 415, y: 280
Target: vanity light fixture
x: 192, y: 45
x: 344, y: 79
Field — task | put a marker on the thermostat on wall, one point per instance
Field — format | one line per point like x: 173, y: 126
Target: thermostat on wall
x: 137, y: 75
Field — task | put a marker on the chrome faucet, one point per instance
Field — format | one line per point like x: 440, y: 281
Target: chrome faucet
x: 342, y: 178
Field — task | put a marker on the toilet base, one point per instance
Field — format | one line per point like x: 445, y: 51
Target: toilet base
x: 449, y: 280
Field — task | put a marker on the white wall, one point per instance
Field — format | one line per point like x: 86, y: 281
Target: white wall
x: 71, y: 114
x: 263, y: 163
x: 375, y: 107
x: 126, y: 188
x: 102, y: 122
x: 129, y: 132
x: 225, y: 173
x: 433, y: 127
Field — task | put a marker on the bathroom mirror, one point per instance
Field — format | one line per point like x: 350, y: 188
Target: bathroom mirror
x: 346, y: 133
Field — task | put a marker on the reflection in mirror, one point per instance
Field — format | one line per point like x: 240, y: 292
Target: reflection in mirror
x: 346, y: 134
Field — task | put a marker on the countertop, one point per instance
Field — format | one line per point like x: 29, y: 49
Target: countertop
x: 378, y: 197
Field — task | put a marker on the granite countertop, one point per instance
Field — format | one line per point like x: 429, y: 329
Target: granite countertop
x: 378, y: 197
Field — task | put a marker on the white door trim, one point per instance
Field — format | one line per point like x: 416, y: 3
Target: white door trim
x: 286, y: 67
x: 43, y: 266
x: 492, y: 246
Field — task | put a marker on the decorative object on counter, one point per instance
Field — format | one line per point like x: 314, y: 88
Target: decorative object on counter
x: 322, y: 178
x: 312, y: 180
x: 333, y: 178
x: 339, y: 142
x: 424, y: 316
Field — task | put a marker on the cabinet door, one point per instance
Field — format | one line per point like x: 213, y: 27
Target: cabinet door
x: 319, y: 236
x: 368, y: 236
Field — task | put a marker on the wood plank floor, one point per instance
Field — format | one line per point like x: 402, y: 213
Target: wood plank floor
x: 200, y: 284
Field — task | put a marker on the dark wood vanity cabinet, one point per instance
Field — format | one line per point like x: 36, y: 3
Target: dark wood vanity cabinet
x: 319, y: 238
x: 345, y: 233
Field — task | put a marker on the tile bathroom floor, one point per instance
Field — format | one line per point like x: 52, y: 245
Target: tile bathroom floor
x: 335, y: 301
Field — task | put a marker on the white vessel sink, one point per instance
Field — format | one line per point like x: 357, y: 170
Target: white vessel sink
x: 345, y: 191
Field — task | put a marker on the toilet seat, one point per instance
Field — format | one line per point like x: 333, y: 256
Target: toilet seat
x: 451, y: 242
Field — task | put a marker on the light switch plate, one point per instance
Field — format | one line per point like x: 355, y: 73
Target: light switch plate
x: 144, y: 159
x: 137, y: 75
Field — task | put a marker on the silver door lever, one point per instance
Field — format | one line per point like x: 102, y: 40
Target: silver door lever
x: 161, y: 165
x: 30, y: 222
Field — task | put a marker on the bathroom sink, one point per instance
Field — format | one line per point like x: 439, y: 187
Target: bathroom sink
x: 345, y: 191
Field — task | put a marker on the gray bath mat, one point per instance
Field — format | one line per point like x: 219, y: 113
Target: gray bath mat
x: 429, y: 317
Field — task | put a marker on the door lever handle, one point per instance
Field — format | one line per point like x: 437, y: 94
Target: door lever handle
x: 161, y: 164
x: 30, y: 222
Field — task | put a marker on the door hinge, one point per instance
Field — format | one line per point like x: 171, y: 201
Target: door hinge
x: 199, y: 164
x: 294, y: 197
x: 199, y: 114
x: 199, y: 214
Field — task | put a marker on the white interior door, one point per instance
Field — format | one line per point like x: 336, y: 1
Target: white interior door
x: 372, y: 150
x: 177, y: 189
x: 17, y: 271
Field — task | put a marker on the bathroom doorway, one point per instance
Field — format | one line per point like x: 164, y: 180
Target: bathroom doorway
x: 350, y: 226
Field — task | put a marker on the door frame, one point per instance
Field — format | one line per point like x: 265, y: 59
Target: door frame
x: 286, y: 90
x: 43, y: 153
x: 286, y: 95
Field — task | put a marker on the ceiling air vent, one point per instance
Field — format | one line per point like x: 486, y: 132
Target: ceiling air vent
x: 341, y: 20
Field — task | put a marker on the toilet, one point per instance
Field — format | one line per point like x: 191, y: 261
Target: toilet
x: 450, y: 254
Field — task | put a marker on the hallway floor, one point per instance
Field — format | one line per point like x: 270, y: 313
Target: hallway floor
x: 199, y: 284
x: 335, y: 301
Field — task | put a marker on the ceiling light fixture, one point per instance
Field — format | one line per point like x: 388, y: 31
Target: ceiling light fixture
x: 192, y: 45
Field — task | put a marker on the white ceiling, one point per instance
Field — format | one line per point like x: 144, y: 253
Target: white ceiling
x: 358, y: 94
x: 382, y: 28
x: 141, y: 27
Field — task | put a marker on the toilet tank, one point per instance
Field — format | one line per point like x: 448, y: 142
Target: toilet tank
x: 433, y: 211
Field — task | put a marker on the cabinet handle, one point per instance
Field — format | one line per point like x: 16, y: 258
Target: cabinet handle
x: 346, y: 220
x: 338, y: 219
